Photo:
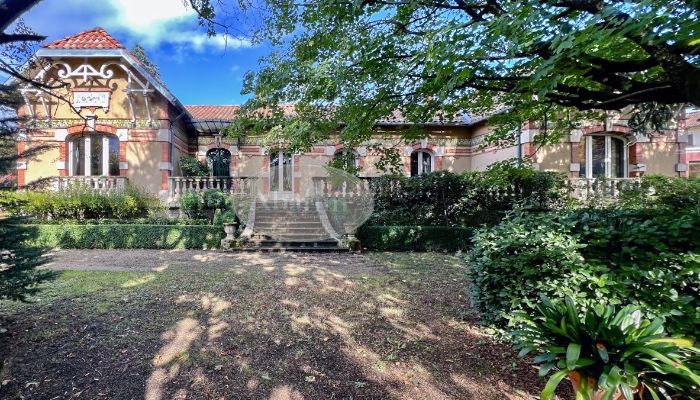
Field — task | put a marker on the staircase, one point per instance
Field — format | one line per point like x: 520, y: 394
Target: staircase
x: 289, y: 226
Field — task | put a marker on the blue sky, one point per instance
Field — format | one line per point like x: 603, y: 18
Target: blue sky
x: 197, y: 69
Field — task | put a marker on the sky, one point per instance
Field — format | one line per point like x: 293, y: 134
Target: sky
x: 196, y: 68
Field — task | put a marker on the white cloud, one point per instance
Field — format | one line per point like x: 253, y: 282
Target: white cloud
x: 153, y: 22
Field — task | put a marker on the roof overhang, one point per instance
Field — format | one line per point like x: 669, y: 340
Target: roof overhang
x: 121, y: 53
x: 208, y: 125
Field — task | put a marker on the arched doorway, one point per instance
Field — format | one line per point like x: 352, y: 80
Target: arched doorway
x: 219, y: 162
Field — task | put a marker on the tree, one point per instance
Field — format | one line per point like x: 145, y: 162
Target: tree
x: 140, y: 54
x: 18, y: 261
x: 556, y: 61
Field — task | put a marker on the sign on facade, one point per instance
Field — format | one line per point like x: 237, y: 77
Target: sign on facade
x: 90, y: 99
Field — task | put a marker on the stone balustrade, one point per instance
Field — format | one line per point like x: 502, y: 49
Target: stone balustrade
x: 98, y: 183
x: 179, y: 185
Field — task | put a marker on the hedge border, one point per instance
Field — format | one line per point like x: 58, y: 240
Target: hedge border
x: 121, y: 236
x: 415, y: 238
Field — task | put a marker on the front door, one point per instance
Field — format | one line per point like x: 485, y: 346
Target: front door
x: 281, y: 178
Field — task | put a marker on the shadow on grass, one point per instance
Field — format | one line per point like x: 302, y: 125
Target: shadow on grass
x: 268, y: 327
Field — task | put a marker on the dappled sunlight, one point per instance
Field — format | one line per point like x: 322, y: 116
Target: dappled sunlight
x: 138, y: 281
x: 285, y: 393
x: 294, y: 270
x: 178, y: 341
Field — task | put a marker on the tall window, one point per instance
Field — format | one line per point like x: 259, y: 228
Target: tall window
x: 219, y: 162
x: 421, y: 163
x: 346, y: 160
x: 93, y: 155
x: 603, y: 156
x: 280, y: 172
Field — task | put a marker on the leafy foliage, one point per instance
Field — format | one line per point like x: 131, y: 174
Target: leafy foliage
x: 190, y: 166
x: 79, y: 202
x: 121, y: 236
x: 415, y: 238
x: 468, y: 199
x: 645, y: 258
x: 140, y: 54
x: 427, y: 59
x: 19, y: 276
x: 607, y: 351
x: 205, y: 204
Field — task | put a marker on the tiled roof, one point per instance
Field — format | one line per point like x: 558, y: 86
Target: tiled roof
x: 219, y: 113
x: 227, y: 113
x: 693, y: 119
x: 96, y: 38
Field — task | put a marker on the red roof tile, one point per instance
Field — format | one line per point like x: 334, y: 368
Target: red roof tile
x: 96, y: 38
x: 213, y: 112
x: 693, y: 119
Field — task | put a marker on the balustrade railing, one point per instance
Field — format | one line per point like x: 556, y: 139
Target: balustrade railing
x: 179, y: 185
x: 585, y: 188
x: 99, y: 183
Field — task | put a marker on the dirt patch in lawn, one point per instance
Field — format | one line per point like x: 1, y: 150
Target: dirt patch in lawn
x: 196, y: 325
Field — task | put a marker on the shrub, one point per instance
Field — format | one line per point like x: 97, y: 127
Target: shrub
x: 205, y: 204
x: 607, y: 352
x: 415, y: 238
x: 468, y: 199
x: 190, y: 166
x: 123, y: 236
x: 19, y: 276
x: 79, y: 202
x: 647, y: 258
x: 661, y: 192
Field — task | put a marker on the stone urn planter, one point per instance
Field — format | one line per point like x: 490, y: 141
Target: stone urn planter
x: 230, y: 229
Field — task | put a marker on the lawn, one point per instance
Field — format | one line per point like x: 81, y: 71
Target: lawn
x: 188, y: 324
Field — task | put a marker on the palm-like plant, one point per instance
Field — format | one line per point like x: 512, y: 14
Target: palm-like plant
x: 607, y: 353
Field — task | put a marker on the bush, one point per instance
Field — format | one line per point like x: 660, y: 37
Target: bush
x: 190, y: 166
x: 642, y: 257
x: 206, y: 204
x: 415, y: 238
x: 468, y: 199
x: 661, y: 192
x: 123, y: 236
x: 79, y: 202
x: 19, y: 262
x: 607, y: 351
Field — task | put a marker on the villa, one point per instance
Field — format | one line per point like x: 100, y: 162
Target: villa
x: 111, y: 121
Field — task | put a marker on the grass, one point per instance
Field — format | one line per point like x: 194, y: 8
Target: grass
x: 382, y: 325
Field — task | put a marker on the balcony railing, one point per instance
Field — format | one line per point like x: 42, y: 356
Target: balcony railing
x: 179, y: 185
x: 585, y: 188
x: 98, y: 183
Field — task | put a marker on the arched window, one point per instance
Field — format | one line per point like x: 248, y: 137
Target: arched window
x: 219, y: 162
x: 93, y: 155
x: 421, y: 162
x: 603, y: 156
x: 346, y: 160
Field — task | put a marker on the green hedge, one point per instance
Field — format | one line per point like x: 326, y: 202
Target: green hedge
x: 415, y: 238
x: 121, y: 236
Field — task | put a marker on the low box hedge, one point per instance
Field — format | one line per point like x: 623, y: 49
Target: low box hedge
x: 415, y: 238
x: 121, y: 236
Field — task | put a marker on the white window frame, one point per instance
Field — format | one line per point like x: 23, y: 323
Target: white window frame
x: 87, y: 139
x: 607, y: 161
x: 280, y: 177
x: 420, y: 153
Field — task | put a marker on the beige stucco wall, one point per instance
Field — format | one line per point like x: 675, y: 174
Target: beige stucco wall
x: 555, y: 157
x: 43, y: 164
x: 661, y: 157
x: 251, y: 165
x: 144, y: 159
x: 456, y: 164
x: 480, y: 161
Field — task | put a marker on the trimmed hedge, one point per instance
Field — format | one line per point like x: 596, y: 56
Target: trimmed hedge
x: 121, y: 236
x: 415, y: 238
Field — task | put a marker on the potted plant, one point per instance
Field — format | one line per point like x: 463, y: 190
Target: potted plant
x: 607, y: 354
